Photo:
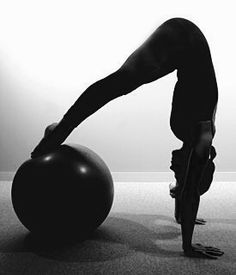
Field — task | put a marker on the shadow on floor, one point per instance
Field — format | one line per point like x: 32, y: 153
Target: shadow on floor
x: 120, y: 235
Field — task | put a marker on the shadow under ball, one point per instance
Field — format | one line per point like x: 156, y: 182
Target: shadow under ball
x: 64, y: 194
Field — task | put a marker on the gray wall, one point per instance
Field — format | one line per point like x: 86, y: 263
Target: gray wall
x: 52, y: 51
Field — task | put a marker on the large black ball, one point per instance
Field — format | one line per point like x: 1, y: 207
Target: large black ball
x: 66, y: 193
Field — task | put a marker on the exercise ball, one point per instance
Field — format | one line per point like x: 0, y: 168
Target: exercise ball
x: 66, y: 193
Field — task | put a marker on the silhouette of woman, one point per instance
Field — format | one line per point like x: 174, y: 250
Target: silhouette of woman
x: 177, y: 44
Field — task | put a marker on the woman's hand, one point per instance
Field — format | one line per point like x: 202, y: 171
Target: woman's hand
x: 54, y: 135
x: 201, y: 251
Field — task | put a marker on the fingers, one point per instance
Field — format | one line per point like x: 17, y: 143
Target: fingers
x: 197, y: 221
x: 209, y: 249
x: 213, y: 248
x: 210, y: 252
x: 200, y: 254
x: 200, y: 251
x: 208, y: 255
x: 200, y: 221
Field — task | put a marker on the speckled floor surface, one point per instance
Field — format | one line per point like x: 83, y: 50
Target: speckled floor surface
x: 139, y: 236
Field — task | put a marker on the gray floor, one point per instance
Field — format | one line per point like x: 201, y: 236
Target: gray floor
x: 139, y: 236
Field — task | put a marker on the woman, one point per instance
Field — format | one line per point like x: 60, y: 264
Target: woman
x: 177, y: 44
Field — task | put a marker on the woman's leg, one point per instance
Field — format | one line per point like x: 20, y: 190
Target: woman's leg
x: 155, y: 58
